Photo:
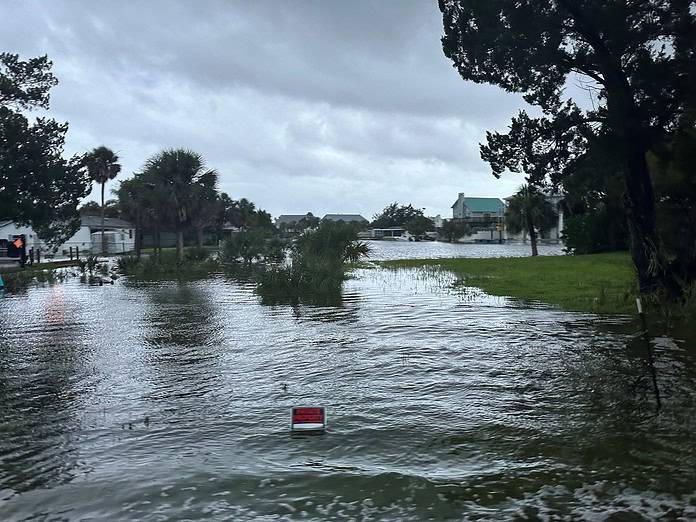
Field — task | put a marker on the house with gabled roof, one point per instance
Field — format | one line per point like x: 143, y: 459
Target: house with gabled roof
x: 347, y: 218
x: 485, y: 217
x: 473, y: 207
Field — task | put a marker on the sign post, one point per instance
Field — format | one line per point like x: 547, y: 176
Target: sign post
x: 308, y: 419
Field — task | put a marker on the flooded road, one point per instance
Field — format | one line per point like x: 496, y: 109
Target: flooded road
x: 170, y: 401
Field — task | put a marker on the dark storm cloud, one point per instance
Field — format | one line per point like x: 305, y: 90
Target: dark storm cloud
x: 320, y: 105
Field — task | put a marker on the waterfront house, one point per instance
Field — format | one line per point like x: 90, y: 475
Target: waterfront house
x: 119, y: 236
x: 485, y: 217
x: 477, y: 209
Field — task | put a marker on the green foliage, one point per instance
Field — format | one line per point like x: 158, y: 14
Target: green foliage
x: 197, y: 254
x: 25, y: 84
x: 454, y: 229
x: 419, y: 225
x: 92, y: 208
x: 275, y: 250
x: 244, y: 214
x: 102, y: 165
x: 246, y: 246
x: 127, y: 264
x: 38, y: 187
x: 165, y: 265
x: 19, y: 281
x: 602, y: 229
x: 396, y: 215
x: 675, y: 188
x: 176, y: 185
x: 318, y: 264
x: 528, y: 210
x: 91, y: 263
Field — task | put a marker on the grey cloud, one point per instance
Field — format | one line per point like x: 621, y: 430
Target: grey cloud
x: 327, y: 105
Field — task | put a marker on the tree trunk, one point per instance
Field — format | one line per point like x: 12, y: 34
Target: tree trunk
x: 103, y: 247
x: 156, y: 239
x: 651, y: 268
x: 532, y: 237
x: 180, y: 244
x: 199, y: 237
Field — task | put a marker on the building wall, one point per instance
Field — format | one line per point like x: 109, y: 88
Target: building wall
x: 11, y: 229
x: 117, y: 241
x: 82, y: 239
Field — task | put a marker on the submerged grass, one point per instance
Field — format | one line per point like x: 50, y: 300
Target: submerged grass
x: 167, y: 265
x: 597, y: 283
x: 18, y: 281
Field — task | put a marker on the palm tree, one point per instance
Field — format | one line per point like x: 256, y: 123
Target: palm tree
x: 181, y: 177
x: 133, y: 203
x: 102, y: 165
x: 529, y: 211
x: 206, y: 211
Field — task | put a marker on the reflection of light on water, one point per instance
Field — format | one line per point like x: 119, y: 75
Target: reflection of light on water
x: 55, y: 311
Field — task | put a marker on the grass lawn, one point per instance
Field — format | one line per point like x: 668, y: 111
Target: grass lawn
x: 599, y: 283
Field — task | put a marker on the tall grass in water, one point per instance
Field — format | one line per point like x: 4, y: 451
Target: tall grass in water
x: 197, y: 263
x: 18, y: 281
x: 318, y: 265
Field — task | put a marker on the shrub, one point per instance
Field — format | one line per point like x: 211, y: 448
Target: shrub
x: 165, y: 264
x: 197, y: 254
x: 318, y: 263
x: 253, y: 245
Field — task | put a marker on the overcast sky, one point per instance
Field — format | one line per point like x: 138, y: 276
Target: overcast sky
x: 322, y: 106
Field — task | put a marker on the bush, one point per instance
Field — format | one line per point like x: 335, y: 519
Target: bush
x: 253, y: 245
x: 196, y: 254
x: 318, y: 263
x: 164, y: 264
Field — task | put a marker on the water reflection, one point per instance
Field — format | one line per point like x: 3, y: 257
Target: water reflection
x: 42, y: 374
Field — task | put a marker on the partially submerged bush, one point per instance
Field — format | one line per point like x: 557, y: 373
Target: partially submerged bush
x: 18, y: 281
x: 253, y: 245
x: 318, y: 263
x: 197, y: 254
x: 164, y: 264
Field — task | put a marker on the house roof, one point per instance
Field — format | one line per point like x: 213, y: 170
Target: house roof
x: 290, y: 218
x: 95, y: 222
x: 345, y: 217
x: 483, y: 204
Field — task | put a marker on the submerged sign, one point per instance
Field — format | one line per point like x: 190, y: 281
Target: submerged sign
x: 308, y: 419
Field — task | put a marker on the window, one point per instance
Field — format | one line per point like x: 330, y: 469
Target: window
x: 130, y: 233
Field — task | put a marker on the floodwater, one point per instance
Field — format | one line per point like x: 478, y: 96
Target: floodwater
x: 170, y: 401
x: 389, y: 250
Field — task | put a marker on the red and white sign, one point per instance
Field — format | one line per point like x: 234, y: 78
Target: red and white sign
x: 309, y: 418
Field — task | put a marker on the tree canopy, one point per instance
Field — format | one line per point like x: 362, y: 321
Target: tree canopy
x: 529, y: 211
x: 635, y: 58
x: 38, y: 186
x: 395, y: 215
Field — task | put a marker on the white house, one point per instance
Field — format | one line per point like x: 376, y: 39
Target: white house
x: 119, y: 237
